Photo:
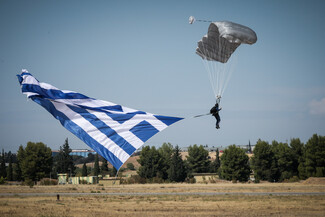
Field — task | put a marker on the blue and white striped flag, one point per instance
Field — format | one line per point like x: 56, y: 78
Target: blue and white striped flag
x: 115, y: 132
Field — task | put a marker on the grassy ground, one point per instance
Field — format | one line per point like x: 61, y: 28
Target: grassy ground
x: 166, y: 205
x: 169, y: 188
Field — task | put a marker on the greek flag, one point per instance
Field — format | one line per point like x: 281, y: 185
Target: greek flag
x: 115, y: 132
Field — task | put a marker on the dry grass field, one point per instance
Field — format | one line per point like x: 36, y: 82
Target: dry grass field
x: 165, y: 204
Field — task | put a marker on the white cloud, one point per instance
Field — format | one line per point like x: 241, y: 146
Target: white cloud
x: 317, y: 107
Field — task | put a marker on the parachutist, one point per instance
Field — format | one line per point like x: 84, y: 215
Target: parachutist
x: 215, y: 112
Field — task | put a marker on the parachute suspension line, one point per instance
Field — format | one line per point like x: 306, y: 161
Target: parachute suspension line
x: 222, y: 68
x: 216, y: 51
x: 210, y: 74
x: 192, y: 19
x: 232, y: 65
x: 205, y: 21
x: 206, y: 65
x: 211, y: 69
x: 215, y: 76
x: 219, y: 70
x: 219, y: 73
x: 223, y: 74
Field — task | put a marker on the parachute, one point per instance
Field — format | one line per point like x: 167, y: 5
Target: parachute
x: 216, y: 48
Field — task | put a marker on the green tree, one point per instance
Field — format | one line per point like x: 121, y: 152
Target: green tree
x: 113, y: 172
x: 10, y: 169
x: 315, y: 156
x: 17, y: 175
x: 35, y: 161
x: 197, y: 159
x: 130, y: 166
x: 90, y: 158
x: 297, y: 149
x: 151, y: 163
x: 263, y: 162
x: 177, y: 170
x: 64, y: 160
x: 20, y: 157
x: 249, y: 149
x: 215, y: 165
x: 165, y: 152
x: 234, y: 164
x: 284, y: 159
x: 84, y: 170
x: 302, y: 167
x: 3, y: 170
x: 96, y: 166
x: 104, y: 166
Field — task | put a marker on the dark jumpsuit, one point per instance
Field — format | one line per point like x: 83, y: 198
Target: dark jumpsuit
x: 215, y: 112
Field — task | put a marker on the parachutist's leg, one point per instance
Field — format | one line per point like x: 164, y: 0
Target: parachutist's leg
x: 218, y: 121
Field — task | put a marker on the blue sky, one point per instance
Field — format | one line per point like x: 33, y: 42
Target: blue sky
x: 141, y: 54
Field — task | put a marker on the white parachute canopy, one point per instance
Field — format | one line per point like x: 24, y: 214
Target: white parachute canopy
x: 217, y: 46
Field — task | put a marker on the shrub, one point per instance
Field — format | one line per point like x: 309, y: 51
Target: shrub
x: 47, y: 181
x: 292, y: 179
x: 84, y: 182
x: 29, y: 182
x: 157, y: 180
x: 130, y: 166
x: 2, y: 180
x: 136, y: 179
x: 190, y: 180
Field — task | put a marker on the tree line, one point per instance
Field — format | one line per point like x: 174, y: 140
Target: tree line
x: 272, y: 162
x: 281, y: 161
x: 35, y: 162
